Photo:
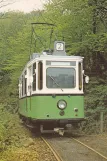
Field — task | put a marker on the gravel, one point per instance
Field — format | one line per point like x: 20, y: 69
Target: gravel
x: 70, y: 150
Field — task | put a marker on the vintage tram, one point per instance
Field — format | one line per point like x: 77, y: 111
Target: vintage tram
x: 51, y: 90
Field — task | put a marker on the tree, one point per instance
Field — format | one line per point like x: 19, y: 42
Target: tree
x: 15, y: 43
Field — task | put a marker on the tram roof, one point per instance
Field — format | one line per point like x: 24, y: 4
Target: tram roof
x: 60, y: 57
x: 36, y: 56
x: 53, y: 58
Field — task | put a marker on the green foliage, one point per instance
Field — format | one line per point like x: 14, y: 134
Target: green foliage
x: 95, y: 102
x: 12, y: 133
x: 14, y: 51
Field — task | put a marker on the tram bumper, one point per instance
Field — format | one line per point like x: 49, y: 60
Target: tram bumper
x: 66, y: 121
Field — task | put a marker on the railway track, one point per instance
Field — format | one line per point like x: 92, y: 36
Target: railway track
x: 55, y: 153
x: 71, y: 149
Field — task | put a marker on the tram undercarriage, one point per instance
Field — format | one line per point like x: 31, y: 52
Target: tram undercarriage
x: 52, y: 126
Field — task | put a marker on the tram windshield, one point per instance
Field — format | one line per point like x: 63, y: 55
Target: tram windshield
x: 60, y: 77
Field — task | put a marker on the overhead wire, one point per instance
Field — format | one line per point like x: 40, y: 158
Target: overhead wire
x: 31, y: 40
x: 51, y: 30
x: 56, y: 36
x: 38, y: 37
x: 34, y: 34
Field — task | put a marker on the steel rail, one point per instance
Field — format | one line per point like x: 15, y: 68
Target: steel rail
x: 90, y: 148
x: 55, y: 153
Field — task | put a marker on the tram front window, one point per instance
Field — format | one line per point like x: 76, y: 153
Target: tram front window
x: 60, y: 77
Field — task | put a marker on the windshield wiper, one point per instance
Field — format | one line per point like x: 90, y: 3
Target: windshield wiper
x: 55, y: 82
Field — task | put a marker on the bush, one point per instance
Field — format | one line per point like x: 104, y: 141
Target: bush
x: 12, y: 131
x: 95, y: 102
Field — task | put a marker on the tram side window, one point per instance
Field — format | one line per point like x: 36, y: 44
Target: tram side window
x: 20, y: 88
x: 30, y: 79
x: 34, y: 77
x: 80, y: 76
x: 25, y: 82
x: 40, y: 75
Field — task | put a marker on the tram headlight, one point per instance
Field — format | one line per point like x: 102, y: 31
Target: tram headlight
x: 61, y: 104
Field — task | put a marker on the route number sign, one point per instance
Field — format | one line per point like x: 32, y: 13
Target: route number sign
x: 59, y: 46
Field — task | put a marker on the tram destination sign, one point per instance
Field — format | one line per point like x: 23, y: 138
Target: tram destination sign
x: 61, y: 63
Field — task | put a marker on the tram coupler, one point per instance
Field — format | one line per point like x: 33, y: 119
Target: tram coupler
x: 58, y: 130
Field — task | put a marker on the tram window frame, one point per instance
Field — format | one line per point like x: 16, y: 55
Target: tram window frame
x: 25, y: 83
x: 74, y: 80
x: 20, y: 87
x: 30, y: 79
x: 34, y: 77
x: 40, y: 75
x: 80, y: 75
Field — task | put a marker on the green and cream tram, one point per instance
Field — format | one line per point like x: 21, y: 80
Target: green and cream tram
x: 51, y: 89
